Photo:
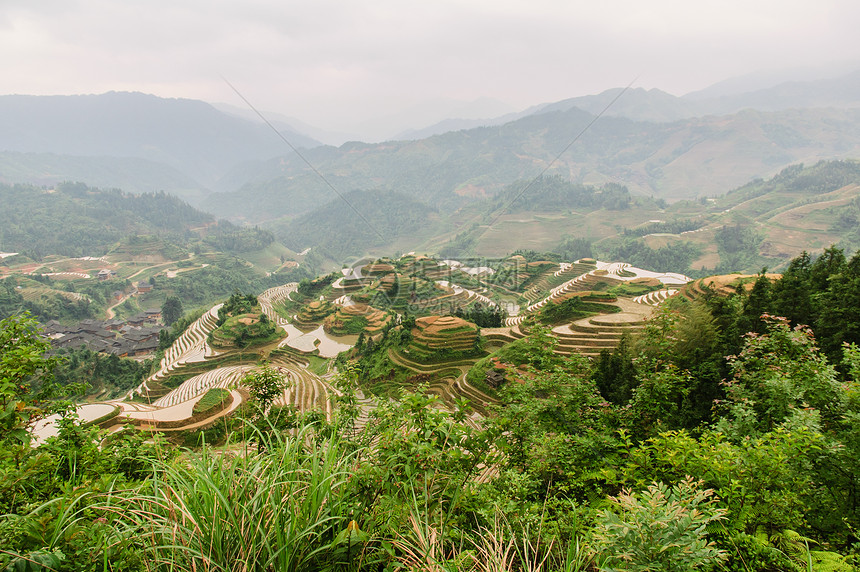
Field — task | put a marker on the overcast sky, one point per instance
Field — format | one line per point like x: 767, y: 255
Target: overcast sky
x: 338, y: 64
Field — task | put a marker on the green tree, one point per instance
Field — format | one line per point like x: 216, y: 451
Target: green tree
x: 776, y: 376
x: 614, y: 374
x: 756, y: 304
x: 171, y: 310
x: 26, y: 379
x: 792, y: 294
x: 265, y: 384
x: 839, y: 319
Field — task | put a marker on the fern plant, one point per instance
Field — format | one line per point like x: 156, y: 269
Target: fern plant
x: 662, y: 528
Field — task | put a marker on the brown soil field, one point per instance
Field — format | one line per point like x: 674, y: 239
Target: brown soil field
x: 644, y: 281
x: 437, y: 324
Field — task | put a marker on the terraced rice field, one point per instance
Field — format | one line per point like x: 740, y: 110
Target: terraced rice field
x: 498, y: 337
x: 589, y: 336
x: 600, y: 271
x: 550, y: 281
x: 223, y: 377
x: 46, y: 428
x: 31, y: 294
x: 344, y: 300
x: 354, y: 316
x: 656, y: 297
x: 305, y: 391
x: 470, y: 295
x: 450, y: 383
x: 434, y: 333
x: 191, y: 354
x: 581, y: 283
x: 190, y: 347
x: 273, y: 296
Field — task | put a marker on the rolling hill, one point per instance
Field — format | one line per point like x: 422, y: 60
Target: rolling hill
x: 761, y: 223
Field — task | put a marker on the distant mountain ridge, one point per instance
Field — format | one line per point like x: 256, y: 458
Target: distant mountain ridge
x: 651, y: 141
x: 188, y: 135
x: 658, y: 106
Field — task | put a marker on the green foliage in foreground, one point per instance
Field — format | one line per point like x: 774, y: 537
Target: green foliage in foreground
x: 645, y: 462
x: 672, y: 520
x: 557, y: 479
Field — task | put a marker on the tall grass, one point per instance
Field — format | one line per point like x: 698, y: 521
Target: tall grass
x: 275, y: 511
x: 431, y: 543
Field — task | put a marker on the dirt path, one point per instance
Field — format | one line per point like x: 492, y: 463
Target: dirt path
x: 109, y: 313
x: 170, y: 263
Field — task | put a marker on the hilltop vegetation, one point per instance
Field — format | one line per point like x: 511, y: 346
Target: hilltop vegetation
x: 762, y: 223
x: 549, y: 193
x: 75, y: 220
x: 242, y: 323
x: 133, y: 175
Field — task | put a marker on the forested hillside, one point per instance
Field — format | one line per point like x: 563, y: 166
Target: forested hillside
x: 72, y: 219
x: 75, y: 220
x: 131, y: 174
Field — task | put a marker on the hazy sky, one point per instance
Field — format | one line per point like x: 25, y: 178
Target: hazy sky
x: 336, y: 64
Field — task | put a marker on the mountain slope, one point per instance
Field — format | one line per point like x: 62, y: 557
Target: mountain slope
x: 360, y: 222
x: 683, y: 159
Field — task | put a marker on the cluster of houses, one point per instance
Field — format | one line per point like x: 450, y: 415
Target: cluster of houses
x: 136, y: 336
